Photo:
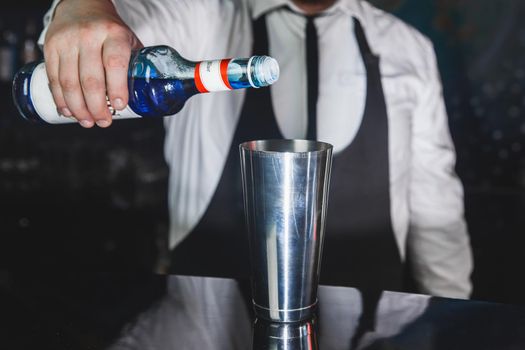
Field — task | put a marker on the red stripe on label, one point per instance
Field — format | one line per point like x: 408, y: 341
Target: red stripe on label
x: 224, y: 73
x: 198, y: 80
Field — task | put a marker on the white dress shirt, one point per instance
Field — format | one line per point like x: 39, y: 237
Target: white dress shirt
x: 426, y: 195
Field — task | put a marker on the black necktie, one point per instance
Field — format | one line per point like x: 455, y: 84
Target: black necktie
x: 312, y: 76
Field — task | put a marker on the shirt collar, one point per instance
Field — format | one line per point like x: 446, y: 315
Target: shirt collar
x: 260, y: 7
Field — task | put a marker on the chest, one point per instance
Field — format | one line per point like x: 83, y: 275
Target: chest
x: 342, y: 83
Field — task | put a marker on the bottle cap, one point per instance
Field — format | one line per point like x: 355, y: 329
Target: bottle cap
x: 267, y: 70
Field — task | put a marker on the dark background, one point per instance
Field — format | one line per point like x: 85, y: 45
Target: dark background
x: 75, y: 200
x: 480, y: 50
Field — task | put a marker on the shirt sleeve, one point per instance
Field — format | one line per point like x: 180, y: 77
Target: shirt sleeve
x: 438, y: 244
x: 189, y: 26
x: 47, y: 19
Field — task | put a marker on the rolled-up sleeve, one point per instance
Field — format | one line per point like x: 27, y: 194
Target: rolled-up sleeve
x: 438, y: 242
x: 47, y: 19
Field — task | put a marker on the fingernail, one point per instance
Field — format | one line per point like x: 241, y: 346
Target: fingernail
x: 118, y: 104
x: 103, y: 123
x: 66, y: 112
x: 86, y: 123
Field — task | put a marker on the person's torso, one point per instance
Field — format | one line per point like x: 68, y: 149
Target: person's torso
x: 198, y: 138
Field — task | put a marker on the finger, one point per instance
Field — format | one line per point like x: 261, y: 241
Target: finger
x: 136, y: 44
x: 93, y: 83
x: 68, y: 76
x: 116, y: 53
x: 51, y: 62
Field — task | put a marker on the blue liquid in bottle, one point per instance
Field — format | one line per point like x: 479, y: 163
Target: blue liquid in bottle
x: 151, y: 97
x: 159, y: 82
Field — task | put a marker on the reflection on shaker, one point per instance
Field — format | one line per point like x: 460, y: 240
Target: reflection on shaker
x: 285, y: 336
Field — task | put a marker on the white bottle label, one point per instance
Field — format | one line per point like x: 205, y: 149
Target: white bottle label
x: 212, y: 76
x: 45, y: 105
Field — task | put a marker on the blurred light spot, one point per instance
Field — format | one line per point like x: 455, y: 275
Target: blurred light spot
x: 497, y: 135
x: 514, y: 111
x: 23, y: 222
x: 479, y: 112
x: 503, y: 154
x: 489, y: 90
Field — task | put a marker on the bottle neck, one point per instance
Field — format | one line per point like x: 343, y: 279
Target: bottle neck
x: 233, y: 74
x: 212, y: 76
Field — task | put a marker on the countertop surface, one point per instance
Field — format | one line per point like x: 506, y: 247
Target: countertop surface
x: 187, y: 312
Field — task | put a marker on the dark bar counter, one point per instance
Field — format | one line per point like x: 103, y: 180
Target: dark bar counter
x: 186, y: 312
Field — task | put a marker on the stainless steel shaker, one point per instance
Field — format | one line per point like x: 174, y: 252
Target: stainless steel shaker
x: 285, y: 188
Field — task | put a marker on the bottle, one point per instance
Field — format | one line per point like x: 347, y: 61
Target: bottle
x: 160, y: 81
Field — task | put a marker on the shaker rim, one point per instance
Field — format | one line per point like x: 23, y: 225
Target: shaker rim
x: 280, y: 146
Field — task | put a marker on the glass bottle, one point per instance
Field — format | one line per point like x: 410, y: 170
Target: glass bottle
x: 160, y: 81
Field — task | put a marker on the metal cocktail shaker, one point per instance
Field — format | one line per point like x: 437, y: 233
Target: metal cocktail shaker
x: 285, y: 187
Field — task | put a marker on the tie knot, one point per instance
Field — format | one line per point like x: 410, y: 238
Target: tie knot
x: 309, y: 18
x: 310, y: 25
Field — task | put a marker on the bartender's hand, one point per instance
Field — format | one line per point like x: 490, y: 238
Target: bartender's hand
x: 87, y: 50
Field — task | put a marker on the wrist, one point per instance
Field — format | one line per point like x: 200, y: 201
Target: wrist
x: 61, y: 3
